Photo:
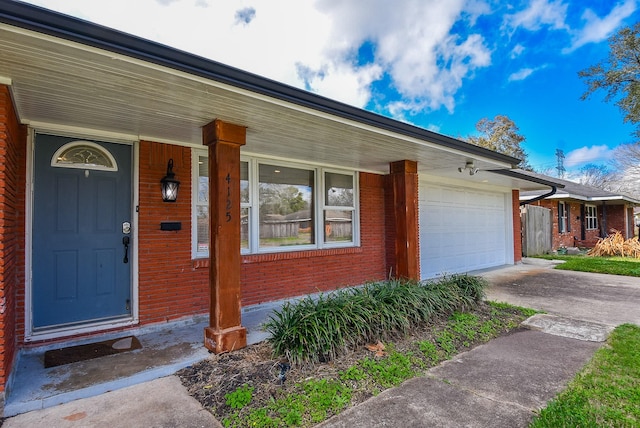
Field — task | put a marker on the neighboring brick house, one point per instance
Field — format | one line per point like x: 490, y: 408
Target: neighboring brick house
x: 582, y: 214
x: 282, y: 192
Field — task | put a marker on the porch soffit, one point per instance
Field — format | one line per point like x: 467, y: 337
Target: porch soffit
x: 66, y: 84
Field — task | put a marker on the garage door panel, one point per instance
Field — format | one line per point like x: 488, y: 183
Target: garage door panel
x: 460, y: 229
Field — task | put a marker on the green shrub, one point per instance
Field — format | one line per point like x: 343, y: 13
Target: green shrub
x: 318, y: 329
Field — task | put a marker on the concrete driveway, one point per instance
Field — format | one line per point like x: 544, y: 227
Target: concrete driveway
x: 605, y: 299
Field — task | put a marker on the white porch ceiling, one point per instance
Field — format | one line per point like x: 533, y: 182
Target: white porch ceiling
x: 62, y: 84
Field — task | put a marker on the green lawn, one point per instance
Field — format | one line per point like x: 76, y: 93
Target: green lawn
x: 611, y: 265
x: 606, y: 393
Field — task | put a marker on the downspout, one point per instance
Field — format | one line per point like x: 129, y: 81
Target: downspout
x: 553, y: 191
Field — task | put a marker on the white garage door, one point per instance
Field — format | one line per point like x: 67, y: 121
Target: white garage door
x: 462, y: 229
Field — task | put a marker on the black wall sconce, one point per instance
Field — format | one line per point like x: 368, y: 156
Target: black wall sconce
x: 170, y: 184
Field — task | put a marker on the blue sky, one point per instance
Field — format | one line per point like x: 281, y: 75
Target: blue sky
x: 441, y: 65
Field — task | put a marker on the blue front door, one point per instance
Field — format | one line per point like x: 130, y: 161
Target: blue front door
x: 81, y: 213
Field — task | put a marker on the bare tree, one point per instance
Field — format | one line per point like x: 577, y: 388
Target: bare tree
x: 626, y: 162
x: 597, y: 176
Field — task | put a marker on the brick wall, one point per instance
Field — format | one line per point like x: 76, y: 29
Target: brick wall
x: 169, y: 285
x: 615, y: 219
x: 12, y: 211
x: 390, y: 232
x: 517, y: 226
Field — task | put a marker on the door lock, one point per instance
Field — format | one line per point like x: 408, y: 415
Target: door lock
x: 126, y: 227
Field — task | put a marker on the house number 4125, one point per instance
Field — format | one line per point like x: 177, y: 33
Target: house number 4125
x: 228, y: 205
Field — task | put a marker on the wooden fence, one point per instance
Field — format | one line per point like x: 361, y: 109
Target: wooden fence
x: 536, y: 230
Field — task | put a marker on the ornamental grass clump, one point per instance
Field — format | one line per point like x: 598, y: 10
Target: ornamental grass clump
x: 317, y: 329
x: 616, y: 245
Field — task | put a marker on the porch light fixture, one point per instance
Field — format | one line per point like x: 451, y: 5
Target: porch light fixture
x: 170, y: 184
x: 469, y: 165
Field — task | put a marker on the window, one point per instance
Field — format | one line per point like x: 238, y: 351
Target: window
x: 338, y: 207
x: 286, y: 213
x: 245, y: 206
x: 201, y: 206
x: 591, y: 217
x: 84, y: 155
x: 564, y: 218
x: 283, y: 207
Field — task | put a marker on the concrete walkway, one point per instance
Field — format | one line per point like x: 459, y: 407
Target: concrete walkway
x: 501, y: 383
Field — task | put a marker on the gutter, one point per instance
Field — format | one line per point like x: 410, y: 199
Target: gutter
x: 41, y: 20
x: 553, y: 191
x: 522, y: 175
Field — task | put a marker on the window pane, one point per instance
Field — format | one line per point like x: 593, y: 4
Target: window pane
x: 203, y: 228
x: 203, y: 180
x: 286, y: 208
x: 244, y: 182
x: 338, y: 190
x: 591, y: 214
x: 244, y: 228
x: 86, y: 156
x: 338, y: 226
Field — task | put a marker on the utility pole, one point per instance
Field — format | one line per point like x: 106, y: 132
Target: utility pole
x: 560, y: 167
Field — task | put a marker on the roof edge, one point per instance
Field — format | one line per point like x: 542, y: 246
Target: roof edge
x: 66, y: 27
x: 518, y: 173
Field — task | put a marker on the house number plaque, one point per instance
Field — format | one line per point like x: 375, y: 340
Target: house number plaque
x: 228, y: 203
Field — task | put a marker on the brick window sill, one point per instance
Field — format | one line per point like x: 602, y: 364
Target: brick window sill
x: 289, y: 255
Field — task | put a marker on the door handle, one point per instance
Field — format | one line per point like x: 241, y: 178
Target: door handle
x: 125, y: 242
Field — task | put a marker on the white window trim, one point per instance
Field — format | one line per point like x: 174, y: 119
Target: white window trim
x: 355, y: 225
x: 254, y: 235
x: 593, y: 217
x: 251, y: 172
x: 564, y: 218
x: 195, y: 154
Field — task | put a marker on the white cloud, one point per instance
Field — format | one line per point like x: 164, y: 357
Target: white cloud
x: 434, y: 128
x: 412, y: 41
x: 521, y: 74
x: 585, y: 155
x: 524, y: 73
x: 598, y: 29
x: 540, y: 13
x: 414, y: 46
x: 280, y: 34
x: 517, y: 51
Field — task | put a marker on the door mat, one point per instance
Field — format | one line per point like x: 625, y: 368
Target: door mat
x: 73, y: 354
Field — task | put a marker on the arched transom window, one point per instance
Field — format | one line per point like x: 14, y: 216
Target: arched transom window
x: 84, y: 155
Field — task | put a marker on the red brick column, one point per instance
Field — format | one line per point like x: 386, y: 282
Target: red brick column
x: 12, y: 245
x: 225, y: 332
x: 404, y: 189
x: 517, y: 226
